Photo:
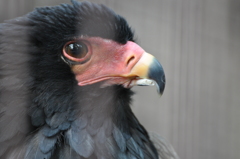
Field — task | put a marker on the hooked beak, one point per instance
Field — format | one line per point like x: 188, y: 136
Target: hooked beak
x: 149, y: 71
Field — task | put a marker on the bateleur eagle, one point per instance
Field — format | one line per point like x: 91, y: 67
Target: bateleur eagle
x: 65, y: 78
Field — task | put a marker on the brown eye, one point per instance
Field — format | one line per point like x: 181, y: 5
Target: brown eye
x: 76, y: 49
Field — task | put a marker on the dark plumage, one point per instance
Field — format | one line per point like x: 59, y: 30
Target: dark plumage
x: 45, y: 110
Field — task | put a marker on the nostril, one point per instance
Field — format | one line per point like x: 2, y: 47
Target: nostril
x: 130, y: 60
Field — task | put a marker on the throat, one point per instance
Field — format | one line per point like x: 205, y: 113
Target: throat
x: 105, y: 127
x: 99, y: 118
x: 96, y: 111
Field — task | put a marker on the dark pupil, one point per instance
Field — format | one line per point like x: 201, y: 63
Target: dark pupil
x: 77, y: 50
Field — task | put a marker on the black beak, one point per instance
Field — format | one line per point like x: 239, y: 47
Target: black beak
x: 156, y: 73
x: 150, y: 71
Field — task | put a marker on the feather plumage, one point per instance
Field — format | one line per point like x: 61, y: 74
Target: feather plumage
x: 43, y: 112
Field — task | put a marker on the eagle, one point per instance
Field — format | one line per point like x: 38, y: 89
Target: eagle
x: 66, y: 74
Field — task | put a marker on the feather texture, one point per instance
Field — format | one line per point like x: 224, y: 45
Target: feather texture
x: 44, y: 114
x: 165, y: 150
x: 40, y: 146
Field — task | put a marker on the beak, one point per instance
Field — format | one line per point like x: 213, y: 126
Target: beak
x: 149, y: 71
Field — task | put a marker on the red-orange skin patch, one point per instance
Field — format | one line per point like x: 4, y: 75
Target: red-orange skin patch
x: 107, y: 60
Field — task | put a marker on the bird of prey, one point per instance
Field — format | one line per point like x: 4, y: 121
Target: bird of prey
x: 66, y: 74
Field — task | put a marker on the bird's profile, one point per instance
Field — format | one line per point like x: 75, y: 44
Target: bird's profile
x: 65, y: 78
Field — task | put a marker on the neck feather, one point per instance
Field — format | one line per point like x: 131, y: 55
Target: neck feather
x: 106, y: 127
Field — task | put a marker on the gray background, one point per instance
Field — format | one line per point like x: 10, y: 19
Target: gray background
x: 198, y: 44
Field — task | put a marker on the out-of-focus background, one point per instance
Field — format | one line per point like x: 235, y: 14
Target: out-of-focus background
x: 198, y: 44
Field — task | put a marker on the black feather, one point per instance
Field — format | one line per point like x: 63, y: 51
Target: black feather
x: 40, y: 147
x: 48, y: 114
x: 49, y: 132
x: 120, y: 140
x: 81, y: 142
x: 134, y: 148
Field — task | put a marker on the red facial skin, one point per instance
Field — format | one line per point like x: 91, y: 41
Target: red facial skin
x: 107, y: 61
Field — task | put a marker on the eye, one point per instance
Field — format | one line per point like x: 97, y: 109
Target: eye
x: 76, y: 49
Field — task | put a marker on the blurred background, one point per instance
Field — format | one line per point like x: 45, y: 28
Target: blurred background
x: 198, y: 44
